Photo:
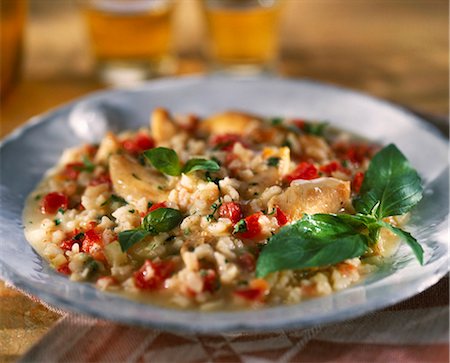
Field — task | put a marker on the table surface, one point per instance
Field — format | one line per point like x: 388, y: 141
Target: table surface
x: 394, y: 50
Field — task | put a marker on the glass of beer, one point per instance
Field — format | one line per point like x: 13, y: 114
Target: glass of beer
x: 243, y: 34
x: 131, y: 39
x: 11, y: 38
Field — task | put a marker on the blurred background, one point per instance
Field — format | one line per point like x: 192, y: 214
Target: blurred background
x: 394, y: 49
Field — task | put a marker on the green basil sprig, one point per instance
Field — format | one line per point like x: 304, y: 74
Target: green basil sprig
x: 158, y: 221
x: 390, y: 187
x: 166, y: 161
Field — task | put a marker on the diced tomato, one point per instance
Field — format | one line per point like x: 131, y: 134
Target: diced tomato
x: 93, y: 244
x: 157, y: 206
x: 103, y: 178
x: 152, y: 274
x: 67, y: 244
x: 232, y: 211
x: 210, y: 280
x: 138, y: 144
x: 305, y: 171
x: 253, y: 226
x: 64, y: 269
x: 354, y: 152
x: 226, y: 142
x: 247, y: 261
x: 333, y: 167
x: 282, y: 219
x: 256, y: 291
x: 357, y: 181
x: 72, y: 170
x: 299, y: 123
x: 54, y: 201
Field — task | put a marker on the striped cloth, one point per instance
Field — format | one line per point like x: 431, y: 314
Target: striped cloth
x: 416, y: 330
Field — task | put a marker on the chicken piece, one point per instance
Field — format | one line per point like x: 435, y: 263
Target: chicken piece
x: 162, y: 126
x: 133, y: 182
x: 314, y: 147
x: 108, y: 146
x: 230, y: 122
x: 322, y: 195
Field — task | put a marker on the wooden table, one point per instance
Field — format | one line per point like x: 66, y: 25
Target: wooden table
x: 396, y: 50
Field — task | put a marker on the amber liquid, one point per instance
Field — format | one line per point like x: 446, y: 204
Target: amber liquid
x: 246, y: 36
x: 130, y: 37
x: 11, y: 35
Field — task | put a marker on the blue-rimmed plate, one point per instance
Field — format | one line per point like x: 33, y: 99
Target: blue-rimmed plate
x: 31, y: 150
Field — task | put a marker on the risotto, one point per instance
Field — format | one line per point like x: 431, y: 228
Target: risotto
x: 233, y: 211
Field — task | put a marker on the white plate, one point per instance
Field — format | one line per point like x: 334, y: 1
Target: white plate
x: 31, y: 150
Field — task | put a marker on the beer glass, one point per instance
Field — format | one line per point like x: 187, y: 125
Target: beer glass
x: 131, y: 39
x: 243, y: 34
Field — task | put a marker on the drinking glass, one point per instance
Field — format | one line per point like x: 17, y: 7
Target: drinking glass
x: 243, y: 34
x: 11, y: 38
x: 131, y: 39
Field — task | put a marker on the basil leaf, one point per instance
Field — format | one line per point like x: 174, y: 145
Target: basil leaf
x: 164, y: 160
x: 200, y: 164
x: 131, y: 237
x: 315, y: 128
x: 408, y: 238
x: 390, y: 187
x: 162, y: 220
x: 314, y: 241
x: 273, y: 161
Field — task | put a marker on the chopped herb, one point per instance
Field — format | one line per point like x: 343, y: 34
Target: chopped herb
x: 286, y: 143
x: 276, y: 121
x: 187, y: 231
x: 114, y: 198
x: 149, y: 205
x: 79, y: 236
x: 242, y: 283
x: 131, y: 211
x: 61, y: 210
x: 240, y: 226
x: 88, y: 165
x: 135, y: 176
x: 57, y: 222
x: 214, y: 207
x: 38, y: 196
x: 160, y: 187
x: 253, y: 184
x: 344, y: 163
x: 273, y: 161
x: 315, y: 128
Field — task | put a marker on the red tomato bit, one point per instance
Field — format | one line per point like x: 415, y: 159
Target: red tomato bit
x: 138, y: 144
x: 255, y: 292
x: 305, y: 171
x: 152, y: 274
x: 282, y: 219
x: 247, y: 261
x: 211, y: 281
x: 101, y: 179
x: 232, y: 211
x: 64, y: 269
x: 225, y: 142
x: 157, y: 206
x: 357, y: 181
x: 72, y: 170
x: 253, y: 228
x: 54, y: 201
x: 93, y: 244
